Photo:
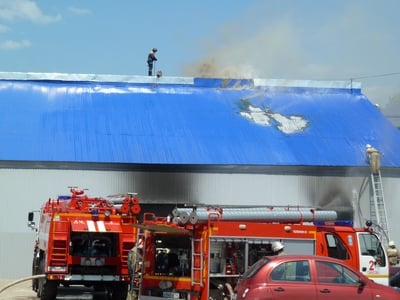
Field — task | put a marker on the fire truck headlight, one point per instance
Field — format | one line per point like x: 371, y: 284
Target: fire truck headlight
x: 107, y: 213
x: 86, y: 261
x: 99, y: 262
x: 165, y: 284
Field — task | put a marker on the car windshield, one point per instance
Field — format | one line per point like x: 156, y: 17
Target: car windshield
x: 254, y: 268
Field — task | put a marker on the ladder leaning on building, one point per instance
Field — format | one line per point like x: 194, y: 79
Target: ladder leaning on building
x: 377, y: 200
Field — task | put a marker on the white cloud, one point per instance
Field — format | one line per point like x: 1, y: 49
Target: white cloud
x: 13, y: 45
x: 3, y: 28
x: 79, y: 11
x: 11, y: 10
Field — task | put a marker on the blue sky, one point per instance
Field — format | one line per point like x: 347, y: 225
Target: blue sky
x: 290, y: 39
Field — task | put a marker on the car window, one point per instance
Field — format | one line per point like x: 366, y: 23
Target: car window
x: 292, y: 271
x: 332, y: 273
x: 256, y: 267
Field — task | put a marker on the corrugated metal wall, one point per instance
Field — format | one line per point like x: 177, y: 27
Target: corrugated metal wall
x: 24, y: 190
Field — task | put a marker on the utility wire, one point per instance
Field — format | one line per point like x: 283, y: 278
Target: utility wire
x: 375, y: 76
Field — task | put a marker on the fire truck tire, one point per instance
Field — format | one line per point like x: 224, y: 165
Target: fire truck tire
x: 100, y: 293
x: 120, y: 291
x: 40, y: 280
x: 47, y: 290
x: 35, y: 281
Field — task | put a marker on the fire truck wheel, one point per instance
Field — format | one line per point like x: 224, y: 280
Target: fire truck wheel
x: 35, y: 282
x: 120, y: 291
x: 40, y: 280
x: 49, y: 291
x: 100, y: 292
x: 98, y: 288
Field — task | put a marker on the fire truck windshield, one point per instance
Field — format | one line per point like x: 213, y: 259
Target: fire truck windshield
x: 93, y: 244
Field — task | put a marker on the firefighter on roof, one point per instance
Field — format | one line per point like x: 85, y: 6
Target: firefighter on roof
x: 151, y: 58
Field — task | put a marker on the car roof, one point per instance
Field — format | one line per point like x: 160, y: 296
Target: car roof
x: 302, y: 256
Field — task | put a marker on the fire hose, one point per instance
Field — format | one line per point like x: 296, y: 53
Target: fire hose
x: 21, y: 280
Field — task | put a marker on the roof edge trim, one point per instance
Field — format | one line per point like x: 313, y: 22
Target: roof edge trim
x: 95, y: 78
x: 220, y: 82
x: 345, y: 84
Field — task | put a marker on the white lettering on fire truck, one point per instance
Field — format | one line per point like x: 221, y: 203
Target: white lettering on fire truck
x: 300, y: 231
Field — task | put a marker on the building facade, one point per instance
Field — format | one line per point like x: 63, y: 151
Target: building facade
x: 186, y: 141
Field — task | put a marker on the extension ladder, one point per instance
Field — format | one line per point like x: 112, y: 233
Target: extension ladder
x: 377, y: 207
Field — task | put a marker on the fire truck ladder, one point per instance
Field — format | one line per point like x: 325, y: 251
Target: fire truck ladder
x: 59, y: 245
x: 197, y: 262
x: 138, y: 266
x: 377, y: 206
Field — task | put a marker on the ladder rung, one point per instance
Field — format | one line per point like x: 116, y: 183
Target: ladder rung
x: 197, y: 245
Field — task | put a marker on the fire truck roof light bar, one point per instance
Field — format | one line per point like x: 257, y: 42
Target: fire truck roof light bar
x: 347, y: 223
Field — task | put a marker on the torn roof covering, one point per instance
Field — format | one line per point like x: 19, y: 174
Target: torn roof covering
x: 189, y: 121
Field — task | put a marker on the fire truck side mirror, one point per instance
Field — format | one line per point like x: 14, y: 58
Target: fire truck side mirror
x: 30, y: 216
x: 31, y: 223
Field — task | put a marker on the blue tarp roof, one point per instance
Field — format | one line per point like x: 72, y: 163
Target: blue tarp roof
x: 189, y: 121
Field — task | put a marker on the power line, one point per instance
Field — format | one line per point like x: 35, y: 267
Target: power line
x: 375, y: 76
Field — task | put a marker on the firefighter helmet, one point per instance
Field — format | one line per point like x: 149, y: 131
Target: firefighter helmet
x: 276, y: 246
x: 154, y: 49
x: 140, y: 243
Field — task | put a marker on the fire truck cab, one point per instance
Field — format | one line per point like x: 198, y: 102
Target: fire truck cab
x: 201, y: 254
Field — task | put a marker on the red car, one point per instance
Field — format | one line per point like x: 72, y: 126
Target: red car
x: 308, y: 277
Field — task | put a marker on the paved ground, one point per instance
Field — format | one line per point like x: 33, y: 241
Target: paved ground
x: 23, y: 291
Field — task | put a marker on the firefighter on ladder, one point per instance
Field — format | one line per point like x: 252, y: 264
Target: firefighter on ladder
x: 393, y: 253
x: 135, y: 257
x: 373, y: 158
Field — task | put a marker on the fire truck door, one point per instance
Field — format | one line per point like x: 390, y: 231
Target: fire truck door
x: 373, y: 259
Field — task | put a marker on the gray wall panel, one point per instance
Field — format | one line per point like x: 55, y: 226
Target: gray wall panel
x: 16, y: 254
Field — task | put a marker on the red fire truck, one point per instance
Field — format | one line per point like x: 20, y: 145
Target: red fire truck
x: 84, y: 240
x: 200, y: 253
